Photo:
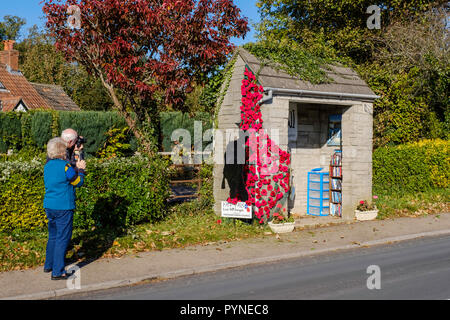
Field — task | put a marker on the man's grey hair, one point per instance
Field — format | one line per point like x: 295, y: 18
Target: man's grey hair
x: 56, y: 148
x: 69, y: 135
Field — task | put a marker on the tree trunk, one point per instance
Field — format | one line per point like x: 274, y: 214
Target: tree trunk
x: 145, y: 143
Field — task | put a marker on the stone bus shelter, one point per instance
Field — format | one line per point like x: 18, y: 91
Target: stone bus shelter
x: 306, y: 116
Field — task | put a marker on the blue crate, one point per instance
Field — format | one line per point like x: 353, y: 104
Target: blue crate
x: 318, y: 193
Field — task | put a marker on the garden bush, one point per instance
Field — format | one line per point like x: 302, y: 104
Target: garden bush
x: 10, y: 131
x: 21, y: 195
x: 118, y: 193
x: 41, y: 128
x: 412, y: 167
x: 122, y: 192
x: 92, y: 125
x: 35, y: 128
x: 170, y: 121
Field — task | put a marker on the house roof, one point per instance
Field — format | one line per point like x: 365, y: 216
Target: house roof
x: 10, y: 103
x: 56, y: 97
x: 18, y: 86
x: 344, y: 80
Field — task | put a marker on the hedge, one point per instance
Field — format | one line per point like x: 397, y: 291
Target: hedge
x: 10, y: 131
x: 117, y: 193
x: 92, y: 125
x: 33, y: 129
x: 412, y: 167
x: 170, y: 121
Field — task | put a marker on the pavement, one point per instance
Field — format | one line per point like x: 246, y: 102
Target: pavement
x: 313, y: 235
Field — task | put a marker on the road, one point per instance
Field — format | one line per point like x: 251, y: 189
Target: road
x: 417, y: 269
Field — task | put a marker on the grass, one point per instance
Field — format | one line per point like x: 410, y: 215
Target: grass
x: 392, y: 205
x: 24, y: 250
x: 188, y: 224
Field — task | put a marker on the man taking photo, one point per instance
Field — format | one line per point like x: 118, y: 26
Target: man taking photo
x: 74, y: 149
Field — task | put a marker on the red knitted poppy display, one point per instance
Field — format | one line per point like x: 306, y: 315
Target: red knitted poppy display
x: 267, y: 166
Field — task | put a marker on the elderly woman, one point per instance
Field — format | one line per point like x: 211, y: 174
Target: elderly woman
x: 60, y: 179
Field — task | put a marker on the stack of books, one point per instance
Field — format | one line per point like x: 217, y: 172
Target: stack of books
x: 336, y: 184
x: 336, y: 172
x: 336, y: 209
x: 336, y: 197
x: 336, y: 159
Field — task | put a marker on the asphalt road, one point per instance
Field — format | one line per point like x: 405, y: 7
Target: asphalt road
x: 418, y: 269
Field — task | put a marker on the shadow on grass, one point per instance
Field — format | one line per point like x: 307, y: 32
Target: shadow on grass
x: 109, y: 215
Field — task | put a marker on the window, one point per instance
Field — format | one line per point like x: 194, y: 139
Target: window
x: 334, y: 130
x: 292, y: 123
x: 2, y: 87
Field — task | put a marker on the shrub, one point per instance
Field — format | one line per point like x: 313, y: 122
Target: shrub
x: 170, y: 121
x: 35, y: 128
x: 91, y: 125
x: 10, y: 131
x: 123, y: 192
x: 116, y: 144
x: 41, y: 128
x: 117, y: 193
x: 418, y: 166
x: 21, y: 195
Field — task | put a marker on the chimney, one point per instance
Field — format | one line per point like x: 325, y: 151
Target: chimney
x: 9, y: 56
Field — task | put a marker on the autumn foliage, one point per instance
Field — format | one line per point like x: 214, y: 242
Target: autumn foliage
x: 146, y: 50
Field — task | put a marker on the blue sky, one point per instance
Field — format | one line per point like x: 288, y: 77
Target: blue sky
x: 31, y: 10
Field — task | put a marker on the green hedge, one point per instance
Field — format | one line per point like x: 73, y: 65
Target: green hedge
x: 92, y: 125
x: 170, y: 121
x: 117, y: 193
x: 35, y: 128
x: 10, y: 131
x: 412, y: 167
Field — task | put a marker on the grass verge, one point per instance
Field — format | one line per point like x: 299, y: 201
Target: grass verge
x: 188, y: 224
x: 413, y: 205
x: 24, y: 250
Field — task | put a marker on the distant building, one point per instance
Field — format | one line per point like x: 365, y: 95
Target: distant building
x: 56, y: 97
x: 17, y: 94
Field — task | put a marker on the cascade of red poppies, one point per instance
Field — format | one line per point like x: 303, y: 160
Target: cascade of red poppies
x: 267, y: 166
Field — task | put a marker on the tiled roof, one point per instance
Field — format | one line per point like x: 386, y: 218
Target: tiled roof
x: 10, y: 103
x: 345, y: 80
x: 18, y: 86
x: 56, y: 97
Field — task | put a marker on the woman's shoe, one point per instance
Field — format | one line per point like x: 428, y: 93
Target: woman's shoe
x: 64, y: 276
x: 48, y: 270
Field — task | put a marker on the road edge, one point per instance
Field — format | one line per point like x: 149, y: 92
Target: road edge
x: 218, y: 267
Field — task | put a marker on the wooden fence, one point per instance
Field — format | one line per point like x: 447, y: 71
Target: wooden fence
x: 186, y: 168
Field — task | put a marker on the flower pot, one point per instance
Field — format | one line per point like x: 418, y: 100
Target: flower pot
x: 366, y: 215
x: 282, y: 227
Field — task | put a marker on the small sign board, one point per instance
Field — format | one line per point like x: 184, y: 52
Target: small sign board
x: 239, y: 210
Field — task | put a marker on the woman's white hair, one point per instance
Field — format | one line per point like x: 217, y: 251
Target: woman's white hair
x: 56, y: 148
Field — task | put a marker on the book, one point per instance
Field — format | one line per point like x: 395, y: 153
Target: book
x: 336, y: 159
x: 336, y: 184
x: 336, y: 209
x: 336, y: 196
x: 336, y: 172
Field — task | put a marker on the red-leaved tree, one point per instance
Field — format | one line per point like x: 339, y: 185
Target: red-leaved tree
x: 145, y: 51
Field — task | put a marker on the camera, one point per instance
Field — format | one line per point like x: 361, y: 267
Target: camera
x: 80, y: 141
x: 79, y: 155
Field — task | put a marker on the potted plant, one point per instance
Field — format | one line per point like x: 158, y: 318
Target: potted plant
x: 366, y: 211
x: 281, y: 224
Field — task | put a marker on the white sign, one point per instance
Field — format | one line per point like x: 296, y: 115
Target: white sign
x: 238, y: 210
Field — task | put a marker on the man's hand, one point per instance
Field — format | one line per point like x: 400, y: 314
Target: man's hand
x: 81, y: 164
